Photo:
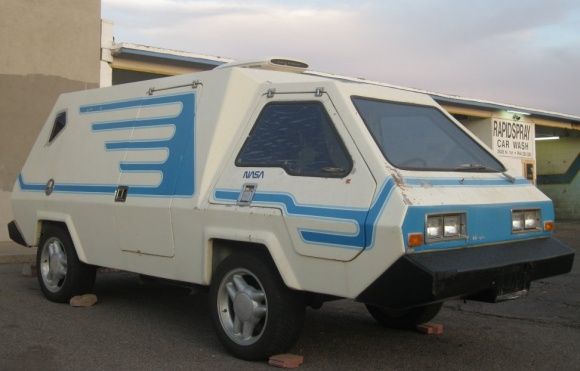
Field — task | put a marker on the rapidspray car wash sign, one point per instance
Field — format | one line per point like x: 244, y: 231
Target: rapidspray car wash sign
x: 513, y: 138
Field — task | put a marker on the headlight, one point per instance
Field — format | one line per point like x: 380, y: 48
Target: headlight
x: 525, y: 220
x: 452, y: 226
x: 517, y: 221
x: 445, y: 227
x: 434, y: 227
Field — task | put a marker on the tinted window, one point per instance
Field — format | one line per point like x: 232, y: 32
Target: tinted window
x: 59, y: 124
x: 422, y: 138
x: 298, y: 137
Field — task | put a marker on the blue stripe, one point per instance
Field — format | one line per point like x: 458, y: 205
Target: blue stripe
x: 177, y: 170
x: 459, y: 181
x: 134, y: 123
x: 37, y: 187
x: 486, y: 224
x: 85, y: 188
x: 138, y: 144
x: 125, y: 104
x: 67, y: 187
x: 142, y: 167
x: 364, y: 219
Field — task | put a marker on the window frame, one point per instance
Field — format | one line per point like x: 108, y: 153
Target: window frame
x: 352, y: 97
x: 51, y: 137
x: 333, y: 129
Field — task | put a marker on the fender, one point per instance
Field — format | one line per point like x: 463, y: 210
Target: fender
x: 266, y: 238
x: 50, y: 216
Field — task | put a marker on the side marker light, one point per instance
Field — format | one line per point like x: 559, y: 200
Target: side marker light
x: 415, y: 239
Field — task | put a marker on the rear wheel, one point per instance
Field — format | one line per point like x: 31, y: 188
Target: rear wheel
x: 255, y: 315
x: 406, y: 318
x: 60, y: 273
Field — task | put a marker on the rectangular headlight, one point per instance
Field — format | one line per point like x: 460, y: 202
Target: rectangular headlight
x: 517, y: 221
x: 525, y: 220
x: 451, y: 225
x: 445, y: 227
x: 434, y: 227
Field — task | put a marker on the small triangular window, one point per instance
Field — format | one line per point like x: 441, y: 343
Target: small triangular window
x: 59, y: 124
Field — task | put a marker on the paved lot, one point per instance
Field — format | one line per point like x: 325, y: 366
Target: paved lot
x: 148, y: 326
x: 13, y: 253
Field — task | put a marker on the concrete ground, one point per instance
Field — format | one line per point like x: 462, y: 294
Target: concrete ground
x: 14, y: 253
x: 153, y: 326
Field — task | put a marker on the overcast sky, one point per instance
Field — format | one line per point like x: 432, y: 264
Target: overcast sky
x: 520, y: 52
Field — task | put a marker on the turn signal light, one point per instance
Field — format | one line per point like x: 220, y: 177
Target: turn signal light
x: 548, y: 226
x: 415, y: 239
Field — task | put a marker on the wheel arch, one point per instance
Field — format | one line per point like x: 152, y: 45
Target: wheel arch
x: 66, y: 222
x: 220, y: 247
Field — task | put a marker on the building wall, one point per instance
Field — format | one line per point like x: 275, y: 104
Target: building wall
x: 48, y: 47
x: 558, y: 166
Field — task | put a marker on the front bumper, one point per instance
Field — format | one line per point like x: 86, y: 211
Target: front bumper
x: 481, y: 273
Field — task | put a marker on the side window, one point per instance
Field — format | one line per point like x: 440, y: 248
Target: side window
x: 59, y: 124
x: 298, y: 137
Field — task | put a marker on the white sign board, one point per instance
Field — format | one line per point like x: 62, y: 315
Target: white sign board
x: 513, y: 138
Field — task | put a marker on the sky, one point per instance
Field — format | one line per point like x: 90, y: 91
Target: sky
x: 511, y: 51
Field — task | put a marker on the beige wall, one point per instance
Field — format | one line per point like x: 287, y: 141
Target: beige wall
x: 51, y: 37
x: 48, y: 47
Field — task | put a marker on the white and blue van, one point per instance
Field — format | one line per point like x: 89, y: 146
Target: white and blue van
x: 277, y: 189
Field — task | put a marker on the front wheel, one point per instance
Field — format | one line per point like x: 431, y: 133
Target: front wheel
x: 255, y: 315
x: 406, y: 318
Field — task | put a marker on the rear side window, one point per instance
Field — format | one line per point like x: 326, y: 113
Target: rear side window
x: 298, y: 137
x: 59, y: 124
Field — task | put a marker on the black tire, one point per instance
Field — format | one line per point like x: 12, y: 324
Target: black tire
x: 278, y: 329
x: 79, y: 277
x: 404, y: 319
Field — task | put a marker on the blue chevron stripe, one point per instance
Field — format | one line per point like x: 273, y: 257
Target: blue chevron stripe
x: 365, y: 220
x: 177, y: 170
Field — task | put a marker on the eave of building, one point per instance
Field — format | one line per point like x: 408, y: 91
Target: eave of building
x: 142, y: 58
x: 460, y: 105
x: 129, y: 49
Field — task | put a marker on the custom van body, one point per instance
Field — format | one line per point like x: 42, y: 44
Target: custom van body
x: 278, y: 188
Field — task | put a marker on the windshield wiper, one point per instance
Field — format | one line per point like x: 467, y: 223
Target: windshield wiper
x: 480, y: 167
x: 475, y: 167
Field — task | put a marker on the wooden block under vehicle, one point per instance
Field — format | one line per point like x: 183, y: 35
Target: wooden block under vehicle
x: 286, y: 360
x: 430, y: 328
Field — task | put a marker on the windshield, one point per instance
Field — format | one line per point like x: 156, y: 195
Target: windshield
x: 422, y: 138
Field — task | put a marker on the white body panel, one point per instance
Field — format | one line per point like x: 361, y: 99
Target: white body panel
x: 176, y: 151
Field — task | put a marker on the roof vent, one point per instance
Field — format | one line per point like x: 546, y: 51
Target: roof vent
x: 273, y: 63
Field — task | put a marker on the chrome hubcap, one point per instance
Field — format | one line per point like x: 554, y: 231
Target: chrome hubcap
x: 53, y: 265
x: 242, y: 306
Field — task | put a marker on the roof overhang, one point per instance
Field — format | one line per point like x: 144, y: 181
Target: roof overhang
x: 152, y: 54
x: 492, y: 106
x: 480, y: 107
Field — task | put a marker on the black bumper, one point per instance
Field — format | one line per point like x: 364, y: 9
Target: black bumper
x: 15, y: 235
x: 481, y: 273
